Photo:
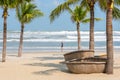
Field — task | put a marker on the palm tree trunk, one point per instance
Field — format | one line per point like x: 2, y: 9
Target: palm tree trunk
x: 109, y: 36
x: 91, y: 43
x: 5, y: 13
x: 78, y: 34
x: 21, y: 40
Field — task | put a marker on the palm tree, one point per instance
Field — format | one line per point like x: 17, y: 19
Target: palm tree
x: 109, y: 34
x: 5, y: 4
x: 112, y: 13
x: 91, y: 6
x: 26, y: 12
x: 5, y: 14
x: 78, y: 15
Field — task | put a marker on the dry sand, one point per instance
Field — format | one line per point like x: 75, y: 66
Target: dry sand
x: 46, y: 66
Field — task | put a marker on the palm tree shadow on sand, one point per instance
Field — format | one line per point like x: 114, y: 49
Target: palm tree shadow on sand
x: 55, y: 66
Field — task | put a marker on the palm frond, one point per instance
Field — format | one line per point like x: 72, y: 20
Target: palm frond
x: 79, y: 14
x: 60, y: 8
x: 69, y: 10
x: 116, y: 13
x: 88, y: 20
x: 57, y: 11
x: 84, y: 3
x: 102, y: 4
x: 97, y: 19
x: 117, y: 2
x: 26, y: 12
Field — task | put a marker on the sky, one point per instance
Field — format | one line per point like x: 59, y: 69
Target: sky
x: 62, y: 23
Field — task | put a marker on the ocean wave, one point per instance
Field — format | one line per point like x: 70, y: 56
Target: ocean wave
x: 57, y: 36
x: 57, y: 32
x: 116, y: 32
x: 59, y: 40
x: 51, y: 32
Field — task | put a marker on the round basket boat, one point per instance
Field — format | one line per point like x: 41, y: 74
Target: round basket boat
x: 79, y: 54
x: 86, y: 66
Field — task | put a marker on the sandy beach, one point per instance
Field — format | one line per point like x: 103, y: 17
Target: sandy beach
x: 46, y: 66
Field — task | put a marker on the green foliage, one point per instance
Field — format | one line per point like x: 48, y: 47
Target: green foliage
x: 11, y: 3
x: 116, y: 10
x: 56, y: 12
x: 84, y: 3
x: 7, y: 3
x: 79, y: 14
x: 17, y: 2
x: 102, y: 4
x: 88, y: 20
x: 26, y: 12
x: 116, y: 13
x: 117, y: 2
x: 64, y: 6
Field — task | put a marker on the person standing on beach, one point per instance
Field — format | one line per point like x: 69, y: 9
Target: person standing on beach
x: 61, y: 46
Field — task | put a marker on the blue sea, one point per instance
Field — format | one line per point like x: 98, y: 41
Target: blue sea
x: 39, y: 41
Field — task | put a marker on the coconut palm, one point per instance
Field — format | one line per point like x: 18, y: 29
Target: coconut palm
x: 89, y: 4
x: 112, y: 13
x: 26, y: 12
x: 109, y: 66
x: 17, y: 2
x: 78, y: 15
x: 5, y: 4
